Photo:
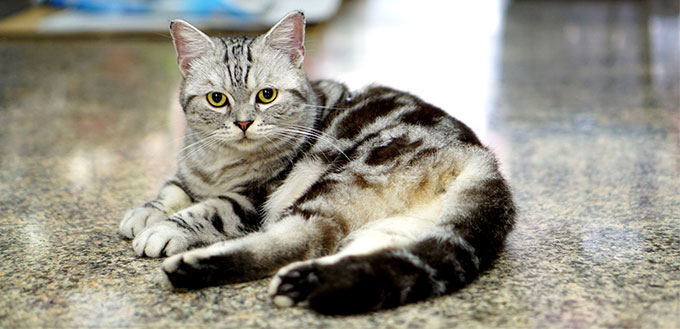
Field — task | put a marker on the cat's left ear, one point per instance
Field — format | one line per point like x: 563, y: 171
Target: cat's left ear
x: 288, y: 36
x: 190, y: 43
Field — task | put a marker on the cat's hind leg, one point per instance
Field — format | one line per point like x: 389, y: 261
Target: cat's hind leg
x: 346, y: 277
x: 395, y: 261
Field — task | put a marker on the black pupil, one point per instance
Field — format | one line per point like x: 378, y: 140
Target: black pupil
x: 267, y: 93
x: 217, y: 97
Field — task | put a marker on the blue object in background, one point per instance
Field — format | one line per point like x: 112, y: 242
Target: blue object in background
x: 244, y: 9
x: 89, y: 16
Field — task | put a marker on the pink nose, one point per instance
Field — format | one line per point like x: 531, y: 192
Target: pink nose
x: 243, y: 124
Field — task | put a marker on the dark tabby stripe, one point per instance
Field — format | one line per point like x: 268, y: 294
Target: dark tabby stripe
x: 155, y: 204
x: 249, y: 222
x: 424, y: 115
x: 238, y: 59
x: 186, y: 102
x: 217, y: 222
x: 182, y: 224
x: 394, y: 149
x: 226, y: 60
x: 249, y: 57
x: 376, y: 107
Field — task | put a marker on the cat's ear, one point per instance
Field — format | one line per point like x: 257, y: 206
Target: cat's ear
x: 189, y: 42
x: 288, y: 36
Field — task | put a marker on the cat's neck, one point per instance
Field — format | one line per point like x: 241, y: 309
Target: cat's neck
x: 212, y: 169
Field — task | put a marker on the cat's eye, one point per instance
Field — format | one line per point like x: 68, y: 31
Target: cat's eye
x: 266, y: 95
x: 217, y: 99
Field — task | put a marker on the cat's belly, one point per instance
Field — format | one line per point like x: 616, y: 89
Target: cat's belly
x: 364, y: 197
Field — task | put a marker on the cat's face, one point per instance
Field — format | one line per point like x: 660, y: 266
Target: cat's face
x: 247, y: 93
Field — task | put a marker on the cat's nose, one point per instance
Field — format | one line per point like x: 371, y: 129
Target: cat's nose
x: 243, y: 124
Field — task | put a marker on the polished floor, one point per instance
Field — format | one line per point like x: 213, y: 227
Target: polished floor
x: 580, y: 100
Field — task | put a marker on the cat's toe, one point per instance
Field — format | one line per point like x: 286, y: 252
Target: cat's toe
x: 293, y: 285
x: 172, y: 264
x: 186, y: 270
x: 136, y: 219
x: 159, y: 241
x: 178, y: 272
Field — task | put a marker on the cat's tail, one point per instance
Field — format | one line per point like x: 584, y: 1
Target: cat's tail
x: 475, y: 221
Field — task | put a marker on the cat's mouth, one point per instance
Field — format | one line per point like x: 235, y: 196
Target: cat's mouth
x: 240, y: 141
x: 247, y: 140
x: 245, y: 137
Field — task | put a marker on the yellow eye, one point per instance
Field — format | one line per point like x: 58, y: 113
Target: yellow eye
x: 266, y: 95
x: 217, y: 99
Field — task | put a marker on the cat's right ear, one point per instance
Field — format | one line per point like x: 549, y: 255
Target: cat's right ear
x: 189, y: 42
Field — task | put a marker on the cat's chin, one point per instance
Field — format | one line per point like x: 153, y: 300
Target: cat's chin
x: 246, y: 144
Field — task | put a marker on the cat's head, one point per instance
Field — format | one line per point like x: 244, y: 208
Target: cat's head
x: 245, y: 92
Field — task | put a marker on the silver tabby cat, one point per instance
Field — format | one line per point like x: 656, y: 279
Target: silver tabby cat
x: 354, y: 201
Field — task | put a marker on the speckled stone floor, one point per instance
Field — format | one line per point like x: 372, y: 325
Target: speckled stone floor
x: 585, y: 117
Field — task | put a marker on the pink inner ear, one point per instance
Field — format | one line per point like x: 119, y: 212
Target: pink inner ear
x: 288, y: 36
x: 182, y: 54
x: 297, y: 36
x: 189, y: 43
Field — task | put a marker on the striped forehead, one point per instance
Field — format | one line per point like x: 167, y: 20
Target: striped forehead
x: 238, y: 58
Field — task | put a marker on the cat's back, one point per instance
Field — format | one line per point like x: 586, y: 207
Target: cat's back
x: 384, y: 114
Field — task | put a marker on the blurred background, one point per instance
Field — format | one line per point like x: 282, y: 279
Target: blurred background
x: 579, y: 99
x: 452, y: 53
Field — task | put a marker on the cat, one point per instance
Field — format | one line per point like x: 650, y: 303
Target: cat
x: 353, y: 201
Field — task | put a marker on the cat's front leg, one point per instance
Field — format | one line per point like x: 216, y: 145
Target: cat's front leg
x: 171, y: 198
x: 256, y: 255
x: 203, y: 223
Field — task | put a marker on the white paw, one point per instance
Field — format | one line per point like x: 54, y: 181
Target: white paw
x: 136, y: 219
x: 173, y: 262
x: 161, y: 239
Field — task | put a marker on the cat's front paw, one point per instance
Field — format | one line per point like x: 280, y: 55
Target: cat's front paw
x: 161, y: 239
x: 136, y: 219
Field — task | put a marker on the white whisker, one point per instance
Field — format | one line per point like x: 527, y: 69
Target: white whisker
x: 314, y: 133
x: 198, y: 146
x: 325, y: 107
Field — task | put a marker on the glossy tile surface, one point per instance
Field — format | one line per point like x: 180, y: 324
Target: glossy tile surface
x: 579, y: 100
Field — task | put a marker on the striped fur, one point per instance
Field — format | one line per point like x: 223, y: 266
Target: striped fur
x: 353, y: 201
